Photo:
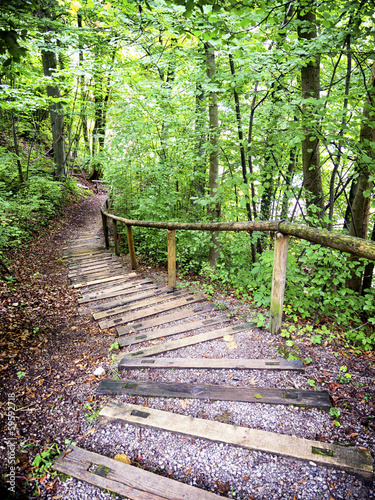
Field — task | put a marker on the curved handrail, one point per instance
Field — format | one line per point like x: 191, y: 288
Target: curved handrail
x: 350, y: 244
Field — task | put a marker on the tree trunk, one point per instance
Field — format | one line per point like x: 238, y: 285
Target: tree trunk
x: 213, y: 179
x: 310, y: 85
x: 16, y: 150
x: 362, y: 199
x: 56, y: 114
x: 242, y: 153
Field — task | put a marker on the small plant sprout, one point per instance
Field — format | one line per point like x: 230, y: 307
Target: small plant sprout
x: 344, y: 377
x: 335, y: 413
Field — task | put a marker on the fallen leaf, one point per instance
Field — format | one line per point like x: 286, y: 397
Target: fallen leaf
x: 122, y: 457
x: 353, y: 434
x: 232, y: 345
x: 188, y: 471
x: 252, y: 381
x: 230, y: 376
x: 258, y: 396
x: 228, y: 338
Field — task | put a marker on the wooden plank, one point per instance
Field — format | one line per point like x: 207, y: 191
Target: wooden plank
x: 104, y: 280
x: 213, y: 363
x: 171, y: 245
x: 92, y: 264
x: 126, y: 480
x: 95, y: 276
x: 151, y: 311
x: 142, y: 303
x: 353, y: 460
x: 133, y: 260
x: 135, y: 327
x: 94, y: 270
x: 116, y: 291
x: 86, y: 256
x: 82, y: 243
x: 127, y: 278
x: 194, y: 339
x: 84, y: 251
x: 278, y: 281
x: 173, y: 330
x: 136, y: 296
x: 253, y: 394
x: 78, y: 263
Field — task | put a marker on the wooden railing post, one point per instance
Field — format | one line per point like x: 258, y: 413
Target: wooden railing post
x: 115, y: 237
x: 105, y: 230
x: 171, y: 240
x: 278, y: 281
x: 129, y: 232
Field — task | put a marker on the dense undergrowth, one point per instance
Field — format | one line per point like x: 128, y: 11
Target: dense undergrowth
x: 315, y: 295
x: 27, y: 206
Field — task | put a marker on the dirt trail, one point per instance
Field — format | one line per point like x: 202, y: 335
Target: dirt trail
x: 50, y: 348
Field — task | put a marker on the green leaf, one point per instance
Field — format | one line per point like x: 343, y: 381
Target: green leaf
x: 258, y: 396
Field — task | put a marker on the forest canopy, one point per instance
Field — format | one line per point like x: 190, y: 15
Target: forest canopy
x: 203, y: 111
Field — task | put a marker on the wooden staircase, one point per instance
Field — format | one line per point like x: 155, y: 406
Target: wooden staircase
x: 130, y: 303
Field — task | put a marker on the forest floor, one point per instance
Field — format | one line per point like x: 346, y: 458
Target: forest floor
x: 50, y: 348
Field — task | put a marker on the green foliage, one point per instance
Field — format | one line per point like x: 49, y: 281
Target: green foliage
x: 30, y: 207
x: 43, y: 461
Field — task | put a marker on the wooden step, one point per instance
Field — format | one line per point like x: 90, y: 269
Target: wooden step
x: 213, y: 364
x: 126, y: 480
x: 167, y: 295
x: 151, y: 311
x: 84, y: 251
x: 100, y: 274
x: 105, y: 285
x: 291, y: 396
x: 102, y: 268
x: 92, y: 265
x: 105, y: 280
x: 90, y: 259
x: 193, y: 339
x: 172, y: 330
x: 353, y: 460
x: 137, y: 326
x: 138, y: 297
x: 118, y: 291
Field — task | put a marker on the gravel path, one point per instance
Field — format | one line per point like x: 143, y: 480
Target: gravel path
x: 227, y: 470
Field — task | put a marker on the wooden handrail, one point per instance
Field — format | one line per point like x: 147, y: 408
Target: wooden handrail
x: 345, y: 243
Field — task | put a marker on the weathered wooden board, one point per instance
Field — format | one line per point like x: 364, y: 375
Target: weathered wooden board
x: 253, y: 394
x: 105, y: 285
x: 82, y: 243
x: 151, y: 311
x: 117, y: 291
x: 126, y: 480
x: 98, y: 255
x: 193, y: 339
x: 92, y: 265
x: 213, y: 363
x: 105, y: 280
x: 102, y: 268
x: 353, y: 460
x: 172, y: 330
x: 138, y: 296
x: 135, y: 327
x: 92, y: 261
x: 104, y: 273
x: 142, y: 303
x: 86, y: 257
x: 84, y: 251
